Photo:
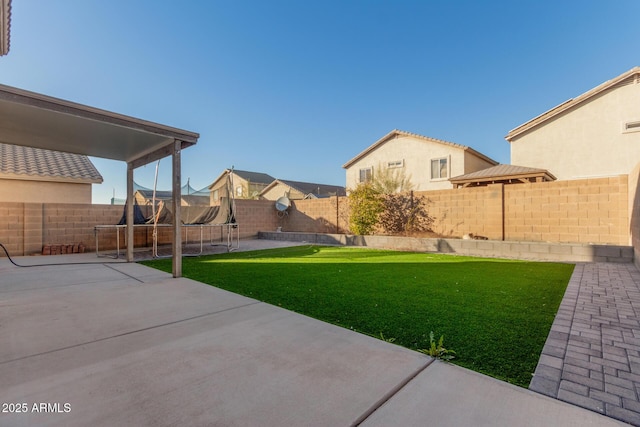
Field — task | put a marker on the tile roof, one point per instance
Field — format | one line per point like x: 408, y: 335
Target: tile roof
x: 318, y: 190
x: 51, y: 165
x: 254, y: 177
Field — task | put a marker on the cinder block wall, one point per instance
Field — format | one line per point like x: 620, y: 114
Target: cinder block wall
x: 582, y: 211
x: 256, y: 215
x: 467, y: 210
x: 329, y: 215
x: 634, y: 212
x: 12, y: 227
x: 73, y: 223
x: 599, y: 211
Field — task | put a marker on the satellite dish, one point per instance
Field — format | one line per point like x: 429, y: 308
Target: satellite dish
x: 283, y: 203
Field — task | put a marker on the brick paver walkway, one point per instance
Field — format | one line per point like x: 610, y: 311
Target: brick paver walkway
x: 592, y: 355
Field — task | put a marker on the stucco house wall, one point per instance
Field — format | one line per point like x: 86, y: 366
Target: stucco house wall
x: 414, y: 154
x: 280, y: 189
x: 587, y: 136
x: 33, y: 175
x: 246, y: 185
x: 30, y: 191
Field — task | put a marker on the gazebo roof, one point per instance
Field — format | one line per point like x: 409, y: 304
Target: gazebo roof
x: 502, y: 174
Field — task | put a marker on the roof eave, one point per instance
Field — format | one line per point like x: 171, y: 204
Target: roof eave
x: 5, y: 26
x: 212, y: 186
x: 481, y: 156
x: 547, y: 175
x: 43, y: 178
x: 569, y: 104
x: 40, y: 121
x: 370, y: 148
x: 396, y: 132
x: 270, y: 186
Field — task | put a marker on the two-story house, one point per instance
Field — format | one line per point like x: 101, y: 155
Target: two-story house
x: 427, y: 162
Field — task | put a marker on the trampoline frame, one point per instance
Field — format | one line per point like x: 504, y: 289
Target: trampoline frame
x: 232, y: 238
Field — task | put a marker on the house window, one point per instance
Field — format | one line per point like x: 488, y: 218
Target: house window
x: 395, y: 164
x: 439, y: 168
x: 216, y: 195
x: 366, y: 174
x: 239, y: 190
x: 632, y: 127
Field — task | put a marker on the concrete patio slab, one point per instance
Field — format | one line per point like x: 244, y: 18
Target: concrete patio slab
x: 120, y: 351
x: 448, y: 395
x: 123, y: 344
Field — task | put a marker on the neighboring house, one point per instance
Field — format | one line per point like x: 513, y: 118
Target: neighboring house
x: 296, y: 190
x: 595, y: 134
x: 246, y: 184
x: 144, y: 197
x: 34, y: 175
x: 427, y: 162
x: 502, y: 174
x: 5, y: 26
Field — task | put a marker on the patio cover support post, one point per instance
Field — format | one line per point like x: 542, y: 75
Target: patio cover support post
x: 177, y: 219
x: 129, y: 212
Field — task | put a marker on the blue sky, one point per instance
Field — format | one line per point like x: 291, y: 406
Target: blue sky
x: 297, y: 88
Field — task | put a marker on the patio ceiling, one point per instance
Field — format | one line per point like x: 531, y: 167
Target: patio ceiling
x: 35, y: 120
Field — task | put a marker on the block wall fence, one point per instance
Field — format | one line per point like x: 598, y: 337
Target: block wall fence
x: 599, y: 211
x: 634, y: 212
x: 581, y: 211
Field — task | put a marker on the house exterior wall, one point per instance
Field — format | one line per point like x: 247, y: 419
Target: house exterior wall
x: 416, y: 155
x: 31, y: 191
x: 249, y: 189
x: 473, y: 163
x: 588, y: 140
x: 141, y: 200
x: 280, y: 190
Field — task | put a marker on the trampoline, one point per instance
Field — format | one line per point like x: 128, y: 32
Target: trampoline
x: 198, y: 219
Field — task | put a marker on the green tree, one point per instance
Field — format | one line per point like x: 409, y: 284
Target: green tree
x: 365, y: 204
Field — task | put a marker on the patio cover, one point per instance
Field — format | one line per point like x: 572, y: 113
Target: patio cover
x: 36, y: 120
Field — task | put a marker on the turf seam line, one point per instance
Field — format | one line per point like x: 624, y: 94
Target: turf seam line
x: 384, y: 399
x: 129, y: 333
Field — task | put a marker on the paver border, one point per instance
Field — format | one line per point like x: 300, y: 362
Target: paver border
x: 591, y: 357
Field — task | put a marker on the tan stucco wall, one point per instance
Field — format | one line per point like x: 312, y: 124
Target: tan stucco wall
x: 249, y: 189
x: 280, y: 190
x: 15, y: 190
x: 473, y: 163
x: 587, y: 141
x: 417, y: 155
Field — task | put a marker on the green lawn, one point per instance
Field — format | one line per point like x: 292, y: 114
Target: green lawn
x: 495, y: 314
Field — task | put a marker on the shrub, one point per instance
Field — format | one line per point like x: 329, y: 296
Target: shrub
x: 404, y: 213
x: 365, y: 204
